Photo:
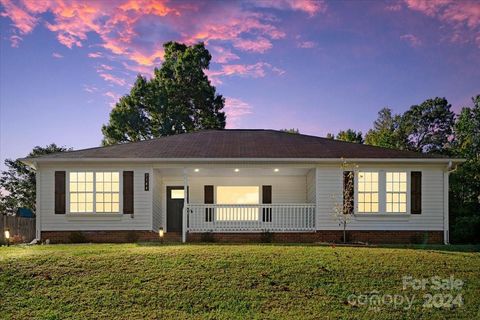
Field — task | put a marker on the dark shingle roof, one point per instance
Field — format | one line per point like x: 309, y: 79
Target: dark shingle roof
x: 239, y: 144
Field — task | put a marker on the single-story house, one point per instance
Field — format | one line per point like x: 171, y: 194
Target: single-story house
x: 242, y: 185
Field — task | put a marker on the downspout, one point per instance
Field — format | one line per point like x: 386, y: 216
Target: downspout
x: 38, y: 228
x: 185, y: 203
x: 446, y: 211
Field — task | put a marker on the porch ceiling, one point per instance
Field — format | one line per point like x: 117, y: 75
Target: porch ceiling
x: 230, y: 172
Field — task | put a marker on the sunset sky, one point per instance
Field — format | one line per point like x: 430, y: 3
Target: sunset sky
x: 319, y: 66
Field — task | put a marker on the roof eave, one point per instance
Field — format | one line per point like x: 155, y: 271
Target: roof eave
x: 33, y: 162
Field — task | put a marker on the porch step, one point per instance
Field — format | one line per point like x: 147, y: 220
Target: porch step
x: 172, y: 237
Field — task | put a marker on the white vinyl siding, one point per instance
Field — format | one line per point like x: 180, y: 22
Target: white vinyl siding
x: 329, y: 192
x: 321, y: 184
x: 141, y: 219
x: 311, y: 180
x: 156, y: 186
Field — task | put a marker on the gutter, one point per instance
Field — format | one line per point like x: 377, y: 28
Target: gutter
x: 32, y: 161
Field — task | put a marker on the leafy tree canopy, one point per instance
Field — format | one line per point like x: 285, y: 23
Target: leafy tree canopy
x: 179, y: 98
x: 385, y: 130
x: 17, y: 183
x: 350, y: 135
x: 427, y: 127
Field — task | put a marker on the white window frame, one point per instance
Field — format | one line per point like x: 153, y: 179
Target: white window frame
x: 94, y: 212
x: 382, y: 192
x: 356, y: 191
x: 407, y: 191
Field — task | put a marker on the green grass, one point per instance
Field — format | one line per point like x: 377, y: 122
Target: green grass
x: 136, y: 281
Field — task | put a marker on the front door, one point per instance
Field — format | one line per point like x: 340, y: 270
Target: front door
x: 175, y: 200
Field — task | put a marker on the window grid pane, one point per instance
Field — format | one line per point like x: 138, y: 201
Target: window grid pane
x: 81, y: 192
x: 367, y: 192
x: 106, y: 197
x: 396, y: 192
x: 107, y: 188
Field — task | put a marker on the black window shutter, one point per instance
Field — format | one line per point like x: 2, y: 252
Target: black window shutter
x: 348, y: 192
x: 208, y: 199
x: 267, y: 199
x: 416, y: 192
x: 60, y: 192
x: 128, y: 192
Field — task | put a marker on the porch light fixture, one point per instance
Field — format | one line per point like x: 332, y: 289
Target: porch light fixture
x: 236, y: 170
x: 161, y: 233
x: 196, y: 170
x: 276, y: 169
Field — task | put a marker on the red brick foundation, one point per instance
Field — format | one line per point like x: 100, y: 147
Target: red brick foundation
x: 120, y: 236
x: 374, y: 237
x: 125, y: 236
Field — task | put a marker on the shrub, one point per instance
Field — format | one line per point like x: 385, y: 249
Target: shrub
x: 77, y: 237
x: 266, y: 237
x: 207, y: 237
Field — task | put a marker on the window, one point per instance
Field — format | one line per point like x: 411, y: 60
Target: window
x: 231, y: 195
x: 367, y: 192
x: 104, y: 198
x: 107, y: 189
x: 396, y: 192
x: 177, y: 194
x: 81, y: 191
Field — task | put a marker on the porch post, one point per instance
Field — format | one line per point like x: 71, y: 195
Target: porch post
x: 185, y: 203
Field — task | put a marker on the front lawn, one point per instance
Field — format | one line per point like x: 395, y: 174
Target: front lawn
x: 136, y: 281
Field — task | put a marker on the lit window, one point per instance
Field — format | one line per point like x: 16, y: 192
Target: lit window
x: 105, y: 198
x: 107, y: 189
x: 367, y: 192
x: 177, y: 194
x: 232, y: 195
x: 81, y: 191
x: 396, y: 192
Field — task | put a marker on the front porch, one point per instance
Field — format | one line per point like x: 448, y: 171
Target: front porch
x: 296, y: 217
x: 235, y: 199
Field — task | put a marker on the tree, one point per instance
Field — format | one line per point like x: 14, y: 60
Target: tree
x: 465, y: 180
x: 292, y: 130
x: 384, y: 132
x: 350, y: 136
x: 330, y: 136
x: 179, y: 98
x: 17, y: 183
x: 343, y: 208
x: 427, y: 127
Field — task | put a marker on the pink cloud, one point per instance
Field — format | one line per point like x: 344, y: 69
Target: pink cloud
x: 311, y: 7
x: 139, y: 69
x: 95, y: 55
x: 259, y: 45
x: 257, y: 70
x: 114, y: 97
x: 463, y: 16
x: 113, y: 79
x: 412, y: 40
x: 223, y: 55
x: 106, y: 67
x: 21, y: 18
x: 133, y: 31
x: 236, y: 109
x: 89, y: 88
x: 15, y: 40
x: 57, y: 55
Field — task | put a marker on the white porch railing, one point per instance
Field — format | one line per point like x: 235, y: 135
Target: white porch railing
x: 250, y: 218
